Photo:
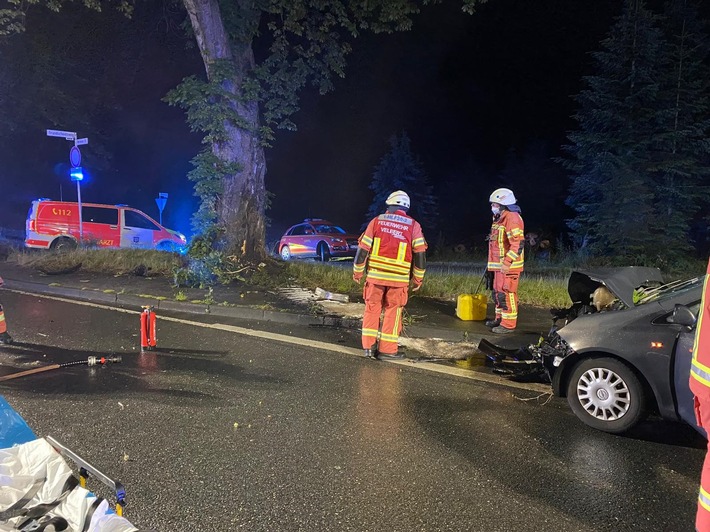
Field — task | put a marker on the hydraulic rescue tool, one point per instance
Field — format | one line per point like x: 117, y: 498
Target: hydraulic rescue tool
x: 91, y: 361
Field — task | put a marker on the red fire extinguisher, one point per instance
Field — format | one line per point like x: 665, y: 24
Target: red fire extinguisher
x: 148, y: 340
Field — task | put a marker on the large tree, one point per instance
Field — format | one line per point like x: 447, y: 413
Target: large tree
x: 244, y: 99
x: 641, y: 148
x: 609, y: 153
x: 681, y: 152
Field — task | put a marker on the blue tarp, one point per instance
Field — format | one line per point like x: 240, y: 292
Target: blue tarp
x: 13, y: 429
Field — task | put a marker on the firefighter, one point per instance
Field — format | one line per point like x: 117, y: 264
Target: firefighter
x: 5, y: 338
x: 505, y: 259
x: 700, y: 386
x: 393, y: 251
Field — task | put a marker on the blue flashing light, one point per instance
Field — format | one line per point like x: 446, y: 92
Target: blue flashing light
x: 77, y: 174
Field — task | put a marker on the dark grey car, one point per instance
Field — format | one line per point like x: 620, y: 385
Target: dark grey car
x: 621, y: 351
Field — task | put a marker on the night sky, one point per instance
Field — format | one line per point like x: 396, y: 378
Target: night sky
x: 485, y: 99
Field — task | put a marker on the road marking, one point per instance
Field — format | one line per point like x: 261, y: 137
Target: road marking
x: 304, y: 342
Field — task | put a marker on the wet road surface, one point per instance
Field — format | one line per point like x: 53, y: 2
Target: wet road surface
x: 224, y: 431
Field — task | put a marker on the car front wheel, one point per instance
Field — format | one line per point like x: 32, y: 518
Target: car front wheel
x: 323, y: 252
x: 606, y: 395
x: 286, y: 253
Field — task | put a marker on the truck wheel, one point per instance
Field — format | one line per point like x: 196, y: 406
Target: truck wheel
x: 63, y: 244
x: 606, y: 395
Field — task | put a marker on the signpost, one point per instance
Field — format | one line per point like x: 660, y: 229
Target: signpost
x: 75, y: 157
x: 161, y: 200
x: 77, y: 173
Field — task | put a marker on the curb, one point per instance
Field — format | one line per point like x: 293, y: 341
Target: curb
x: 128, y: 300
x: 240, y: 313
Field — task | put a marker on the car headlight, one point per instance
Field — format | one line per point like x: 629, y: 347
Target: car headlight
x: 182, y: 237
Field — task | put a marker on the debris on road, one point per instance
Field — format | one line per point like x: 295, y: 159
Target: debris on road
x: 331, y: 296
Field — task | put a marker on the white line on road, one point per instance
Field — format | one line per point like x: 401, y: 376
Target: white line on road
x: 314, y: 344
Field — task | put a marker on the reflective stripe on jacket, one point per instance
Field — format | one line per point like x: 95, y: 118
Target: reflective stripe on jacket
x: 506, y: 242
x: 390, y: 239
x: 700, y: 366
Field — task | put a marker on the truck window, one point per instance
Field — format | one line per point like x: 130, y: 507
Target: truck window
x: 134, y: 219
x: 99, y: 215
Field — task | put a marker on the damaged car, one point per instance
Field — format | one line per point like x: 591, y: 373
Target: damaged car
x: 621, y: 351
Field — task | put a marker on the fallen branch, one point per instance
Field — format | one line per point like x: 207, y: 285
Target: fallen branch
x: 549, y: 398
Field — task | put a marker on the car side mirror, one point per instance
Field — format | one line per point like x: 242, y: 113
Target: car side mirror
x: 682, y: 315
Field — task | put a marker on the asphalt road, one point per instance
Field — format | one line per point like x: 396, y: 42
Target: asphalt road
x: 223, y: 431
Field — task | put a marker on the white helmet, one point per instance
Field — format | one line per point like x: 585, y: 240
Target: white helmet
x: 504, y: 196
x: 398, y: 197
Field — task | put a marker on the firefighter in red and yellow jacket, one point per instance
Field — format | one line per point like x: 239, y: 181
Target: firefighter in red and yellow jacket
x: 5, y: 337
x: 393, y: 251
x: 505, y: 259
x: 700, y: 386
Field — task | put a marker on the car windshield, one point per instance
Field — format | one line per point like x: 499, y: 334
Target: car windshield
x: 665, y: 291
x: 324, y: 229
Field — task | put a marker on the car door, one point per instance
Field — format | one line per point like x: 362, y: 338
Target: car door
x: 100, y: 225
x: 310, y: 240
x: 137, y: 230
x: 298, y: 241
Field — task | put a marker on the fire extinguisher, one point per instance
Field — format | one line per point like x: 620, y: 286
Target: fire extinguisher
x: 148, y: 340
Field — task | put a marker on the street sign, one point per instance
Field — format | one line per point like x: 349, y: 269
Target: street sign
x: 69, y: 135
x: 75, y: 157
x: 161, y: 200
x: 81, y: 142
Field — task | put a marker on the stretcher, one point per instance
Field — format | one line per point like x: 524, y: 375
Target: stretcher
x: 39, y: 490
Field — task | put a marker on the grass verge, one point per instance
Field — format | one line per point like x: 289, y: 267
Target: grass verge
x: 538, y: 289
x: 541, y: 285
x: 104, y: 261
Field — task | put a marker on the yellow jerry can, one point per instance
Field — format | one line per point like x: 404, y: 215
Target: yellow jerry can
x: 471, y: 307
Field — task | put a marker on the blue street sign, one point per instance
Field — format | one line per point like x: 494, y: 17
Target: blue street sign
x: 75, y: 157
x: 161, y: 200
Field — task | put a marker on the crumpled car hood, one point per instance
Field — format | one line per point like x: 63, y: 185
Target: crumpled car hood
x: 620, y: 281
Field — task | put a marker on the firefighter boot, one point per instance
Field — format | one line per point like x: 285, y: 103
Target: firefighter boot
x: 5, y: 338
x: 389, y: 356
x: 502, y: 330
x: 493, y: 323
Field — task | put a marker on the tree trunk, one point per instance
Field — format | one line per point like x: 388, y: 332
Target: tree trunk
x: 241, y: 205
